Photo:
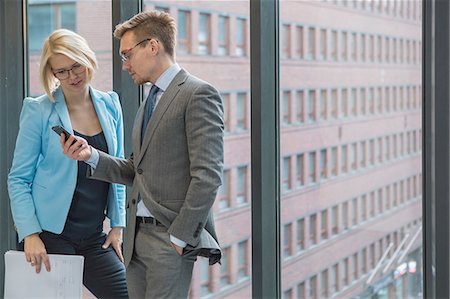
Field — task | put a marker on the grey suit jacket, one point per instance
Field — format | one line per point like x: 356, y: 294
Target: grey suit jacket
x: 177, y: 171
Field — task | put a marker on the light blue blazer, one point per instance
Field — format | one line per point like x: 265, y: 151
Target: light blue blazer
x: 42, y: 179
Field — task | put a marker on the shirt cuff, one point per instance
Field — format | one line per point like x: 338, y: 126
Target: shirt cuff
x: 177, y: 241
x: 93, y: 160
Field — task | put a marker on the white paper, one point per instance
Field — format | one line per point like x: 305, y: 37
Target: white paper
x: 65, y: 280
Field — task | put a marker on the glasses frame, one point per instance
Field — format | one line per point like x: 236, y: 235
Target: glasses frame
x: 125, y: 55
x: 59, y: 73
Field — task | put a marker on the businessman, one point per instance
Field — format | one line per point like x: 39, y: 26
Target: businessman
x: 176, y: 165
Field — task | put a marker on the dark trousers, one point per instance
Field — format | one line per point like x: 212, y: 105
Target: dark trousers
x: 104, y: 274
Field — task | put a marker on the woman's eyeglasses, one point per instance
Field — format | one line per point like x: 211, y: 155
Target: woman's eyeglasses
x: 75, y: 69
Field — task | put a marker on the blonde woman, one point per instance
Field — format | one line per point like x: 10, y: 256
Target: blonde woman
x: 56, y: 209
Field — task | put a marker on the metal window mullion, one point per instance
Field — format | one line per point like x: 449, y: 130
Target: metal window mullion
x: 265, y: 149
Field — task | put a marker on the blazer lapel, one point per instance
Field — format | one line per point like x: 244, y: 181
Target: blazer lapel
x: 137, y: 128
x: 105, y: 121
x: 61, y: 109
x: 164, y: 103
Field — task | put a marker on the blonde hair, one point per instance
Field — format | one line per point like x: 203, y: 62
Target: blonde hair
x: 151, y: 24
x: 70, y: 44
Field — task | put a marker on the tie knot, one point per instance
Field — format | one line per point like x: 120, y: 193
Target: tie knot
x: 154, y: 90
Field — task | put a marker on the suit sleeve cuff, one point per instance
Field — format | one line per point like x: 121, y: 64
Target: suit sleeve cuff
x: 177, y: 241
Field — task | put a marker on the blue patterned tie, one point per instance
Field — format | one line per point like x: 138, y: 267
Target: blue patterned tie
x: 149, y: 105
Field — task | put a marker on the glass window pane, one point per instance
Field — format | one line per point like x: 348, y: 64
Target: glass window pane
x: 353, y: 199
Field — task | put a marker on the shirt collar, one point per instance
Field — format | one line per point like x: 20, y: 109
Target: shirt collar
x: 167, y: 77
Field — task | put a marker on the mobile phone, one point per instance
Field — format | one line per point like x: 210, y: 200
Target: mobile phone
x: 61, y: 130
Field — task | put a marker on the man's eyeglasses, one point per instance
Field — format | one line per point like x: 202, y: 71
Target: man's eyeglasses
x: 126, y: 54
x: 75, y: 69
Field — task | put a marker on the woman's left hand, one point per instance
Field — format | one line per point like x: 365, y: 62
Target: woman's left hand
x: 115, y: 239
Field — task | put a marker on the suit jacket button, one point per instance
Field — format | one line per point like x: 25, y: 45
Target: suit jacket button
x: 133, y: 201
x: 140, y: 170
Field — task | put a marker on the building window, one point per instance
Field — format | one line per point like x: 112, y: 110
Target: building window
x: 301, y: 292
x: 312, y: 167
x: 353, y: 154
x: 287, y: 173
x: 287, y: 249
x: 363, y: 47
x: 344, y: 159
x: 334, y: 159
x: 44, y: 19
x: 323, y: 164
x: 354, y: 269
x: 287, y: 294
x: 323, y: 44
x: 225, y: 267
x: 343, y: 45
x: 380, y: 150
x: 345, y: 223
x: 300, y: 170
x: 241, y: 111
x: 362, y: 101
x: 372, y: 151
x: 324, y: 225
x: 345, y: 273
x: 311, y: 43
x: 334, y: 220
x: 223, y: 35
x: 364, y: 261
x: 300, y: 41
x: 241, y: 37
x: 334, y: 103
x: 313, y: 287
x: 205, y: 277
x: 371, y: 100
x: 224, y: 191
x: 362, y: 154
x: 324, y: 284
x: 300, y: 108
x: 241, y: 196
x: 184, y: 31
x: 388, y: 198
x: 323, y: 104
x: 387, y: 98
x: 285, y: 40
x: 353, y: 99
x: 344, y: 102
x: 300, y: 235
x: 286, y: 107
x: 312, y: 105
x: 333, y: 45
x: 353, y: 47
x: 204, y: 34
x: 363, y: 207
x: 335, y: 278
x: 313, y: 229
x: 354, y: 211
x: 372, y: 205
x: 243, y: 260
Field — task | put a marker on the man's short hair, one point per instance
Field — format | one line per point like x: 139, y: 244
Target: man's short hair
x: 151, y: 24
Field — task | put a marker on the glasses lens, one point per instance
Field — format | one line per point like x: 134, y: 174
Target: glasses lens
x: 62, y: 75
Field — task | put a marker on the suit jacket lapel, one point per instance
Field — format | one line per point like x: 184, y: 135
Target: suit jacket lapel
x: 61, y: 109
x: 164, y: 103
x: 105, y: 121
x: 137, y: 127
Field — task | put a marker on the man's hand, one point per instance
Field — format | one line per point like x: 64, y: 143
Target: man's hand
x: 178, y: 248
x: 36, y: 253
x: 115, y: 239
x: 79, y: 150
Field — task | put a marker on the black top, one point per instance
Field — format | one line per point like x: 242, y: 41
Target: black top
x: 87, y: 211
